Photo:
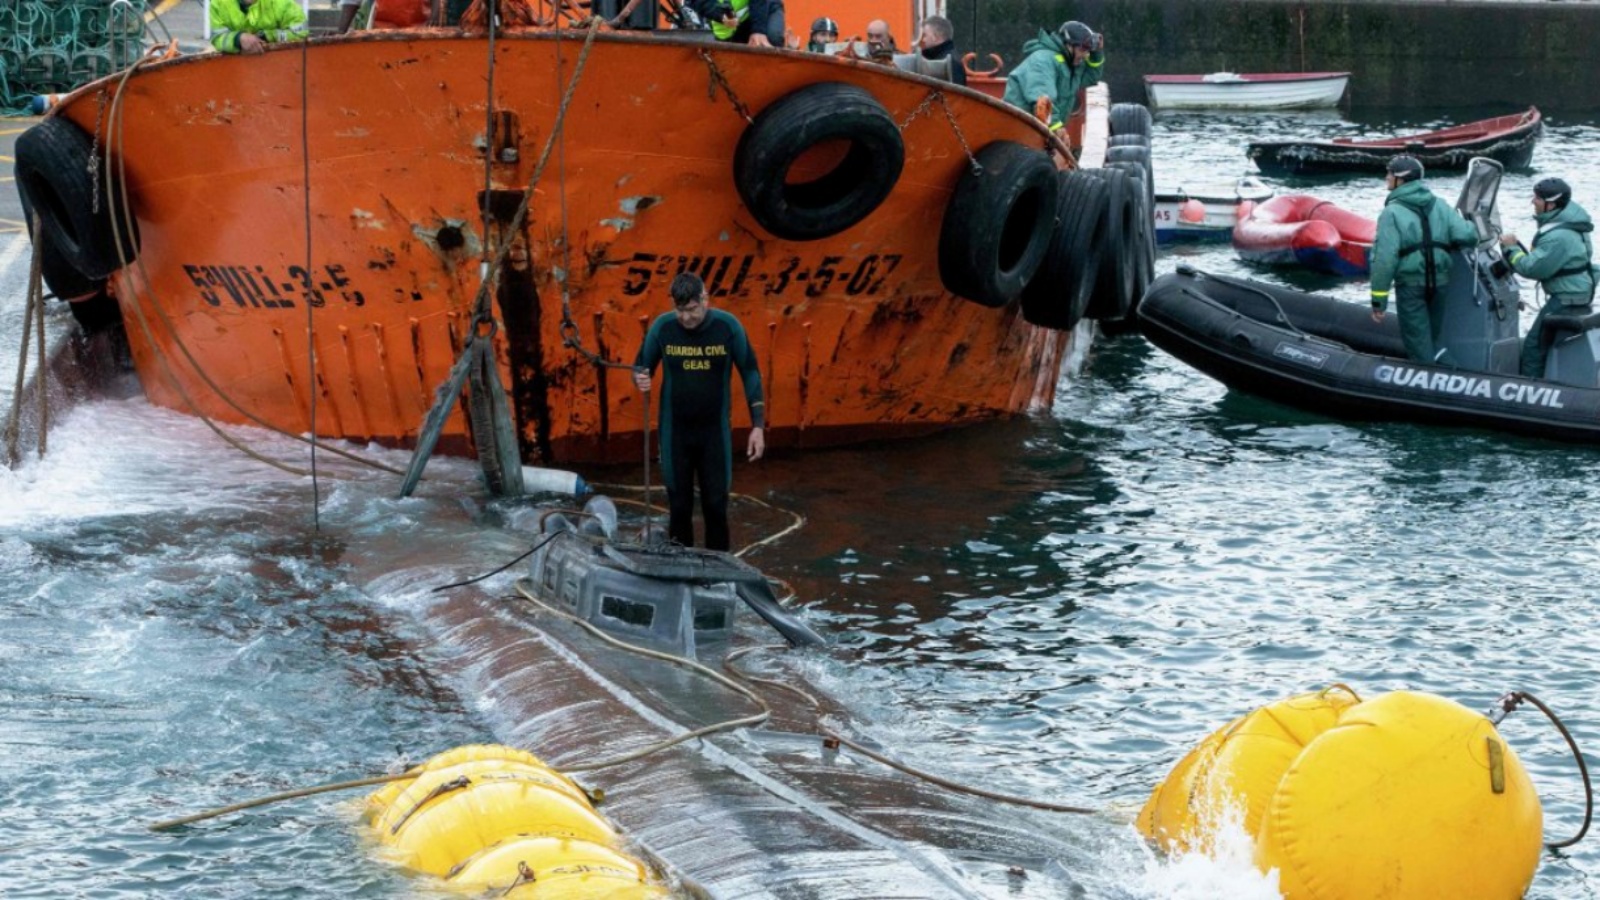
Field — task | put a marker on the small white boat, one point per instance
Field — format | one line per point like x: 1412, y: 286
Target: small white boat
x: 1230, y: 90
x: 1204, y: 213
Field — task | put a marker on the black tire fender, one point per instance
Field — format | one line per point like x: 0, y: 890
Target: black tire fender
x: 1140, y: 155
x: 998, y: 224
x: 54, y: 177
x: 1113, y: 294
x: 798, y: 123
x: 1059, y: 294
x: 1130, y: 118
x: 1147, y: 228
x: 1128, y: 140
x: 62, y: 280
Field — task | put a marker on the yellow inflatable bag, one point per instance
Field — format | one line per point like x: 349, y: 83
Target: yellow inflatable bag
x: 447, y: 815
x: 380, y: 799
x: 1235, y: 771
x: 1409, y: 797
x: 532, y: 867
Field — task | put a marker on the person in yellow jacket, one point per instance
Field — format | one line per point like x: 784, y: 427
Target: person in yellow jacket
x: 248, y: 26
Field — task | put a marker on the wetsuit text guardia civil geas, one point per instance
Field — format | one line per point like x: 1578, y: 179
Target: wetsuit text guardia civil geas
x: 696, y: 434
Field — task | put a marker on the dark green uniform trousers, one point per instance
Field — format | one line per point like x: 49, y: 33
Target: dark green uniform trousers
x: 1419, y: 325
x: 1535, y: 350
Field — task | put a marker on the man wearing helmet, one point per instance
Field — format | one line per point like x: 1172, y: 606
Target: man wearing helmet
x: 824, y: 31
x: 1561, y: 261
x: 1057, y: 66
x: 1416, y: 232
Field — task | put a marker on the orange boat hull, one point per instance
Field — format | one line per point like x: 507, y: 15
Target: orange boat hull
x: 855, y: 334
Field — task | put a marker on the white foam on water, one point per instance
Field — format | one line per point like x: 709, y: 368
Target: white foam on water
x: 1221, y: 867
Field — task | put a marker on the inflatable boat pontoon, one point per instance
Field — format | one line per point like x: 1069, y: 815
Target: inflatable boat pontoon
x: 1328, y: 356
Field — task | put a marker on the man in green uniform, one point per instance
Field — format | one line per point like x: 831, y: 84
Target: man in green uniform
x: 1411, y: 253
x: 1057, y: 66
x: 1562, y: 261
x: 759, y: 23
x: 698, y: 348
x: 248, y: 26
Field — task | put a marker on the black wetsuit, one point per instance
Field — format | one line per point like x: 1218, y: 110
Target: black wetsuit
x: 696, y: 438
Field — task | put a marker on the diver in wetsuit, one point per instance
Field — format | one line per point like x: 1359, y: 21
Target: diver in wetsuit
x: 698, y: 348
x: 1416, y: 232
x: 1562, y: 261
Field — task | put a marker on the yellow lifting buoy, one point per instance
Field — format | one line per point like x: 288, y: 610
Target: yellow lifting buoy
x: 529, y: 867
x: 484, y: 815
x: 1407, y: 796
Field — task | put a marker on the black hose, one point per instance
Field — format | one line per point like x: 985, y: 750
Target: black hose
x: 531, y: 550
x: 1510, y: 702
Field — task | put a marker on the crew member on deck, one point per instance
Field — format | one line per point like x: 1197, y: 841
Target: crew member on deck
x: 881, y: 46
x: 824, y: 31
x: 758, y: 23
x: 698, y: 348
x: 1411, y: 252
x: 1056, y: 67
x: 938, y: 41
x: 248, y: 26
x: 1562, y: 261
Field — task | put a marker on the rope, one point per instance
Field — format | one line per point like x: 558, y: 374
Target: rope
x: 35, y: 301
x: 798, y: 522
x: 123, y: 225
x: 727, y: 725
x: 311, y: 329
x: 832, y: 735
x: 446, y: 398
x: 278, y: 798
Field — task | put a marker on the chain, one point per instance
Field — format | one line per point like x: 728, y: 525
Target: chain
x: 921, y: 108
x: 977, y: 167
x: 718, y: 79
x: 925, y: 105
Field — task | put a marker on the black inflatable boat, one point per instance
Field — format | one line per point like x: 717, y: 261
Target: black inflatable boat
x: 1327, y: 356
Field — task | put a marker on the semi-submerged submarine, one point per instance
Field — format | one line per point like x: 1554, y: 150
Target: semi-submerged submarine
x: 1327, y: 356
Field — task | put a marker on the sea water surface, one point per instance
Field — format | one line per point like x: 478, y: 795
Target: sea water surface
x: 1059, y: 606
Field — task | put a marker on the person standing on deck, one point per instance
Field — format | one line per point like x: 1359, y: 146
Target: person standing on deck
x: 1056, y: 67
x: 1411, y: 252
x: 1562, y: 261
x: 248, y: 26
x: 938, y: 41
x: 824, y: 31
x: 698, y: 348
x: 758, y: 23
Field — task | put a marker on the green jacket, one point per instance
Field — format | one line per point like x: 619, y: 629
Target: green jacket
x: 1562, y: 255
x: 274, y: 21
x: 1397, y: 253
x: 1047, y: 70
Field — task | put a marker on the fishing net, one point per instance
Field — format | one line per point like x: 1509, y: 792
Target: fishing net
x: 53, y: 46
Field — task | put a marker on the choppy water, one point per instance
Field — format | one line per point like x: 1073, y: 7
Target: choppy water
x: 1060, y: 606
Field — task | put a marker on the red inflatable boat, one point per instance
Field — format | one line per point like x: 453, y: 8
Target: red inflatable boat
x: 1299, y: 229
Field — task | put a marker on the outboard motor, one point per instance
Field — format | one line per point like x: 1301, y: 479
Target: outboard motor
x: 1479, y: 323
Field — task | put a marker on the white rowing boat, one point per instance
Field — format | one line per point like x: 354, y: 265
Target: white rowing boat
x: 1204, y: 213
x: 1230, y: 90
